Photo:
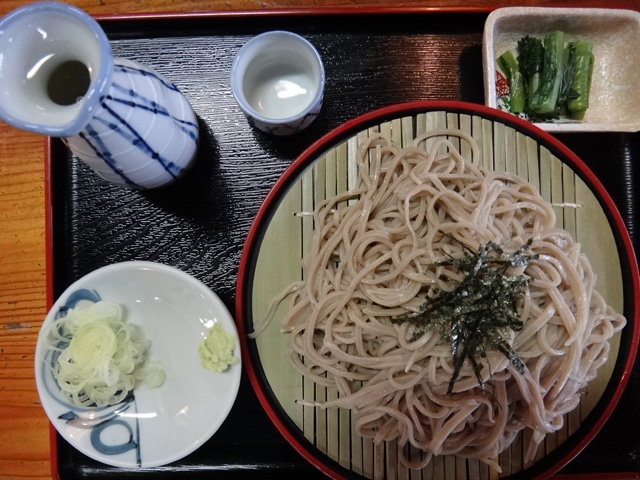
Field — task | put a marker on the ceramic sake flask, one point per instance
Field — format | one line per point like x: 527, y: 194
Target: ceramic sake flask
x: 58, y: 77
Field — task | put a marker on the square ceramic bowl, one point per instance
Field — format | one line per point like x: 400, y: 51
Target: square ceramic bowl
x: 614, y: 100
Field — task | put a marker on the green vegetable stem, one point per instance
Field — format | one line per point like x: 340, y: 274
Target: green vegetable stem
x: 581, y: 79
x: 509, y: 66
x: 566, y: 91
x: 545, y: 98
x: 530, y: 58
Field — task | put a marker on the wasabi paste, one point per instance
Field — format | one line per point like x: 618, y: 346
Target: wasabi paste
x: 216, y: 351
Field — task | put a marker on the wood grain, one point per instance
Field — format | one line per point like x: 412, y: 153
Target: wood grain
x: 24, y: 428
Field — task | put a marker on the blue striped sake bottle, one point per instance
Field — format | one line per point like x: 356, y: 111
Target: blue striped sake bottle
x: 58, y: 77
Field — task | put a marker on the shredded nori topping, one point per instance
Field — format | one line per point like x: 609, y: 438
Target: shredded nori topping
x: 479, y: 311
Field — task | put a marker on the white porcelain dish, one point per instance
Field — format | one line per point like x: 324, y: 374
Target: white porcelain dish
x: 277, y: 79
x: 155, y: 426
x: 614, y: 102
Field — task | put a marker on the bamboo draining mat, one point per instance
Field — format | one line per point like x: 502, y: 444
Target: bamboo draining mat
x: 288, y: 236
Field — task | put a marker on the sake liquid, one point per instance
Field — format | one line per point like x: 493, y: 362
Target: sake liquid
x: 63, y: 82
x: 68, y: 82
x: 281, y: 91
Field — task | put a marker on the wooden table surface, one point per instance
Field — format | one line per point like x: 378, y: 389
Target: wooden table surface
x: 24, y: 428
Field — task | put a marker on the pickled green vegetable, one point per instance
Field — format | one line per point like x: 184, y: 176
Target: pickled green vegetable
x: 530, y: 59
x: 581, y: 79
x: 548, y: 79
x: 509, y: 66
x: 546, y: 96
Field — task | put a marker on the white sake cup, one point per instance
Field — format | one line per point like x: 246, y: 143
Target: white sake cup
x: 278, y: 79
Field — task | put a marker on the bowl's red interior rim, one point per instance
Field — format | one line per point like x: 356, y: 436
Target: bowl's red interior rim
x: 406, y: 109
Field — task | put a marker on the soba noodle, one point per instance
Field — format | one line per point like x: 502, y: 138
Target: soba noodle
x: 374, y: 256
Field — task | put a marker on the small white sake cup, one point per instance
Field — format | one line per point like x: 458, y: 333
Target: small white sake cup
x: 278, y: 79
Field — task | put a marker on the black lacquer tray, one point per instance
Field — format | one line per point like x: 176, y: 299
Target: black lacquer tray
x: 373, y: 58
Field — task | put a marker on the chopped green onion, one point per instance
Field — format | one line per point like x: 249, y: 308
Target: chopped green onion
x: 101, y: 356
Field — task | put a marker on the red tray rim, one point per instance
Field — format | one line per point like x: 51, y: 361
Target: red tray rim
x: 355, y: 10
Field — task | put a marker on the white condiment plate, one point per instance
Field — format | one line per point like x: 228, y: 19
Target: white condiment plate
x: 159, y: 425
